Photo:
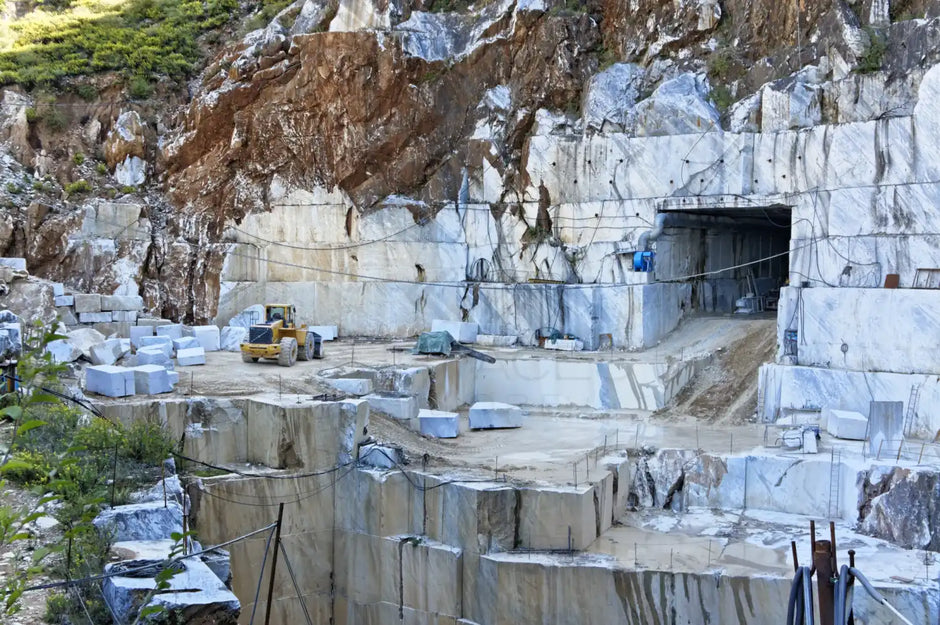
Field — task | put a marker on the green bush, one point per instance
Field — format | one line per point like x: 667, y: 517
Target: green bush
x: 87, y: 92
x: 140, y: 88
x: 79, y: 186
x: 27, y: 468
x: 31, y: 115
x: 101, y: 168
x: 873, y: 58
x: 139, y: 37
x: 148, y: 443
x: 12, y: 188
x: 54, y: 119
x: 78, y: 158
x: 58, y: 607
x: 126, y: 189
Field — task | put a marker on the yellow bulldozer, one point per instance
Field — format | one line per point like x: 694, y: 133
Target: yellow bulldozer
x: 279, y: 338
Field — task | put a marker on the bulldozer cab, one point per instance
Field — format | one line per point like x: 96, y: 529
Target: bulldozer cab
x: 279, y: 312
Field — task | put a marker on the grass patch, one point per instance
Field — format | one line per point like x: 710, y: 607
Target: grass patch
x: 79, y: 186
x: 873, y: 59
x: 146, y: 38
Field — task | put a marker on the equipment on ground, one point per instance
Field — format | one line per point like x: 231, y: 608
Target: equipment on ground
x: 279, y: 338
x: 443, y: 344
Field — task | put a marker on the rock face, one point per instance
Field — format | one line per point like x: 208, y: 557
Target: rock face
x: 124, y: 150
x: 901, y: 506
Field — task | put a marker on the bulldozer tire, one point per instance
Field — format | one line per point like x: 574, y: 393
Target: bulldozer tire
x: 306, y: 352
x: 247, y: 358
x: 288, y: 355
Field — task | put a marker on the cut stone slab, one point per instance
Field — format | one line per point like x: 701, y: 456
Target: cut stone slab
x: 327, y: 333
x: 151, y: 380
x: 84, y: 339
x: 165, y: 343
x: 439, y: 424
x: 209, y: 337
x: 150, y: 321
x: 185, y: 342
x: 109, y: 380
x: 64, y: 300
x: 67, y: 316
x: 107, y: 353
x: 395, y: 406
x: 137, y: 332
x: 191, y: 356
x: 353, y: 386
x: 58, y: 289
x: 122, y: 302
x: 380, y: 456
x: 565, y: 345
x: 497, y: 340
x: 232, y: 338
x: 174, y: 377
x: 485, y: 415
x: 141, y: 521
x: 174, y: 330
x: 94, y: 317
x: 63, y: 351
x: 17, y: 264
x: 124, y: 315
x: 462, y: 331
x: 248, y: 317
x: 846, y: 424
x: 88, y: 303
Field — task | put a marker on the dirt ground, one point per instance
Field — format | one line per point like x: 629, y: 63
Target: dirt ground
x: 725, y: 392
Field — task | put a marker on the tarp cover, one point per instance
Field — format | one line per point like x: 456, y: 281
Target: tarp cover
x: 434, y: 343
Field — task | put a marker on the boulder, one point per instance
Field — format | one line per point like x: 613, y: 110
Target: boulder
x: 248, y: 317
x: 232, y: 337
x: 63, y: 351
x: 185, y: 342
x: 107, y: 352
x: 84, y: 339
x: 141, y: 521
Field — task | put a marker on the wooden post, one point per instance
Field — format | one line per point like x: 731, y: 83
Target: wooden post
x: 277, y: 542
x: 822, y: 559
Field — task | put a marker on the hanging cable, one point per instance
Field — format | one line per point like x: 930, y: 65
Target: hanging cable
x: 264, y: 560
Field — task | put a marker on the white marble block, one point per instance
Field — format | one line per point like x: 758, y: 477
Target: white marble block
x: 137, y: 332
x: 64, y: 300
x: 209, y: 337
x: 107, y: 353
x: 109, y: 380
x: 122, y: 302
x: 439, y: 424
x: 462, y: 331
x: 327, y: 333
x: 165, y: 343
x: 151, y: 380
x: 846, y: 424
x: 173, y: 330
x: 486, y: 415
x: 191, y: 356
x: 353, y: 386
x: 154, y: 355
x: 186, y: 342
x: 88, y: 303
x: 94, y: 317
x: 395, y: 406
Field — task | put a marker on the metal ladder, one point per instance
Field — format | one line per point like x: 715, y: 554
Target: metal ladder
x: 911, y: 409
x: 835, y: 478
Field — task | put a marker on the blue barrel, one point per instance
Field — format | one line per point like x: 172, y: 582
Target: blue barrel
x: 643, y: 261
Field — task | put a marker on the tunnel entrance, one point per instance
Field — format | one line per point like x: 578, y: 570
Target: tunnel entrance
x: 736, y: 259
